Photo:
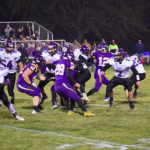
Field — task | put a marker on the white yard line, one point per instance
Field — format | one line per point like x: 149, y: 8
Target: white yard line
x: 96, y: 144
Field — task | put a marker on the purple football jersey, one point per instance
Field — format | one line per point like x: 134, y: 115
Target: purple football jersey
x: 101, y: 60
x: 33, y: 76
x: 60, y: 71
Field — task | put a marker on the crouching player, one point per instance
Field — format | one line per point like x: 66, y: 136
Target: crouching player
x: 3, y: 96
x: 25, y: 81
x: 63, y: 83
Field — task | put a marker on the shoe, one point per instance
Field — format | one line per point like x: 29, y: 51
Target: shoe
x: 74, y: 109
x: 36, y: 111
x: 111, y: 102
x: 89, y: 114
x: 85, y: 98
x: 106, y: 99
x: 135, y: 94
x: 54, y: 106
x: 70, y: 112
x: 131, y: 105
x: 40, y: 107
x: 12, y: 101
x: 18, y: 117
x: 43, y: 99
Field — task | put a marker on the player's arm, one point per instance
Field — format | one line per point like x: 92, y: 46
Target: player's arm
x: 26, y: 75
x: 81, y: 59
x: 69, y: 76
x: 20, y: 64
x: 105, y: 68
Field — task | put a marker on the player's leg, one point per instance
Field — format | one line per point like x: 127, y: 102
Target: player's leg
x: 10, y: 107
x: 106, y: 82
x: 10, y: 87
x: 34, y: 92
x: 53, y: 94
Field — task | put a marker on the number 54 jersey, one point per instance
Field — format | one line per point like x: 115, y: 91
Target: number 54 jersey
x: 101, y: 60
x: 10, y: 60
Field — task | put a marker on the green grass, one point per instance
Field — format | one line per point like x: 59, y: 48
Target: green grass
x: 112, y: 128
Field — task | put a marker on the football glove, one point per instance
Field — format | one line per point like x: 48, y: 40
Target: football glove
x: 34, y: 85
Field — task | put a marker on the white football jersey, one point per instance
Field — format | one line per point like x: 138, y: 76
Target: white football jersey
x: 3, y: 73
x: 46, y: 55
x: 121, y: 70
x: 10, y: 60
x: 137, y: 64
x: 77, y: 53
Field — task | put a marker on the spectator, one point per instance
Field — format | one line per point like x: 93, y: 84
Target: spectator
x: 7, y: 31
x: 43, y: 48
x: 31, y: 46
x: 24, y: 54
x: 19, y: 34
x: 30, y: 32
x: 86, y: 43
x: 37, y: 35
x: 36, y: 52
x: 146, y: 57
x: 33, y: 37
x: 76, y: 44
x: 13, y: 33
x: 22, y: 31
x: 113, y: 47
x: 94, y: 47
x: 139, y: 49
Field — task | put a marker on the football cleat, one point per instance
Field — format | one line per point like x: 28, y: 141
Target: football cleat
x: 85, y: 98
x: 106, y: 99
x: 111, y: 101
x: 89, y: 114
x: 54, y: 106
x: 40, y: 107
x: 18, y: 117
x: 131, y: 105
x: 70, y: 112
x: 135, y: 94
x: 36, y: 111
x: 43, y: 99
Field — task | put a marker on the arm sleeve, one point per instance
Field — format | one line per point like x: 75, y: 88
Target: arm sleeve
x: 106, y: 67
x: 50, y: 66
x: 18, y: 61
x: 69, y: 76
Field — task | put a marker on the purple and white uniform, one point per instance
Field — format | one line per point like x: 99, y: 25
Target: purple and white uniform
x: 23, y: 87
x: 62, y: 85
x: 101, y: 60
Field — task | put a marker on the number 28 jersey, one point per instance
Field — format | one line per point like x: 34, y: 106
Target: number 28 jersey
x: 61, y: 69
x: 10, y: 60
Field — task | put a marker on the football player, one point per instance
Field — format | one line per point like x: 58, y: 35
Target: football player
x: 102, y: 58
x: 121, y: 72
x: 64, y: 80
x: 25, y: 81
x: 82, y: 74
x: 140, y: 69
x: 50, y: 54
x: 10, y: 59
x: 5, y: 81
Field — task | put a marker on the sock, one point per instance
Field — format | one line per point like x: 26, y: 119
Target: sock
x: 72, y: 103
x: 53, y: 94
x: 11, y: 108
x: 43, y: 94
x: 82, y: 89
x: 66, y: 102
x: 35, y: 107
x: 81, y: 105
x: 92, y: 91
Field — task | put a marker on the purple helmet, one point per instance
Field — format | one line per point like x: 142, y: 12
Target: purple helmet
x: 84, y: 49
x: 68, y: 55
x: 38, y: 59
x: 120, y: 52
x: 65, y: 49
x: 103, y: 47
x: 126, y: 55
x: 9, y: 44
x: 52, y: 45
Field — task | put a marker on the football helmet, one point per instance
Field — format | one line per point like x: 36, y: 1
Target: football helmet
x: 38, y: 59
x: 65, y: 49
x: 52, y: 46
x: 8, y: 45
x: 68, y: 55
x: 103, y: 47
x: 84, y: 49
x: 120, y: 52
x: 126, y: 55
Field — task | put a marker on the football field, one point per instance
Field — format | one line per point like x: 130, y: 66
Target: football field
x: 117, y: 128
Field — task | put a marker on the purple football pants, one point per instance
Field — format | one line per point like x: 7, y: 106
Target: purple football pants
x: 25, y: 88
x: 66, y: 90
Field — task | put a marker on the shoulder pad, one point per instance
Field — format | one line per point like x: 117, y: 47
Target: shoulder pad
x: 16, y: 54
x: 2, y: 51
x: 111, y: 60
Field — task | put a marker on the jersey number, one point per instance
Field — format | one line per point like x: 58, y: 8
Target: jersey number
x: 9, y: 65
x: 136, y: 62
x: 60, y: 69
x: 103, y: 61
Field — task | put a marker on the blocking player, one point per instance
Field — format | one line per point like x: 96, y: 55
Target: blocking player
x: 10, y: 59
x: 102, y: 58
x: 50, y: 54
x: 121, y: 72
x: 5, y: 81
x: 64, y: 80
x: 25, y: 81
